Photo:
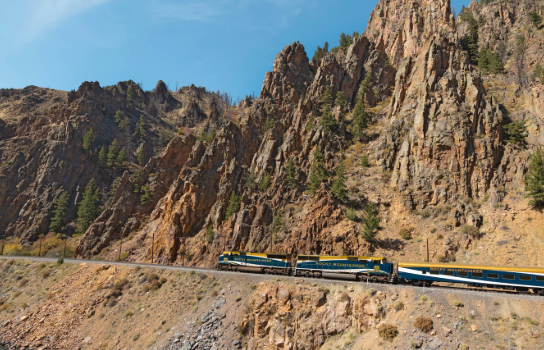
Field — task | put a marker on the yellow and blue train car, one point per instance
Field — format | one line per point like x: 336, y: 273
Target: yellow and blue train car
x: 374, y: 268
x: 277, y: 263
x: 501, y: 277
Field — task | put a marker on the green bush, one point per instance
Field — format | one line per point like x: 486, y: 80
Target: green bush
x: 471, y: 231
x: 352, y: 215
x: 406, y: 232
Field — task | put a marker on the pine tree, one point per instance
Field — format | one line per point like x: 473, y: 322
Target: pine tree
x: 355, y: 35
x: 140, y: 128
x: 234, y: 205
x: 112, y: 153
x: 118, y: 117
x: 147, y: 195
x: 59, y: 217
x: 130, y: 93
x: 102, y: 156
x: 326, y: 47
x: 534, y: 182
x: 338, y: 188
x: 364, y: 161
x: 88, y: 141
x: 535, y: 18
x: 343, y: 40
x: 318, y: 174
x: 327, y: 120
x: 290, y: 174
x: 122, y: 157
x: 516, y: 132
x: 470, y: 41
x: 265, y: 182
x: 341, y: 102
x: 278, y: 223
x: 141, y: 156
x: 209, y: 234
x: 538, y: 72
x: 360, y: 115
x: 318, y: 54
x: 371, y: 222
x: 89, y: 208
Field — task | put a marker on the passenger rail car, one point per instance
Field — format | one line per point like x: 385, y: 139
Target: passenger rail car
x: 377, y: 269
x: 363, y: 267
x: 498, y: 277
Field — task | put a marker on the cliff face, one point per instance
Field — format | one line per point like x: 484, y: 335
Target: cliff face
x: 436, y: 144
x: 441, y: 139
x: 41, y: 144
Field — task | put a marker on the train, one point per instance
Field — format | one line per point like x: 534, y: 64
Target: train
x: 378, y: 270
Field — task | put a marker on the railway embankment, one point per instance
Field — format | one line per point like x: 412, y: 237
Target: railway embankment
x: 95, y: 305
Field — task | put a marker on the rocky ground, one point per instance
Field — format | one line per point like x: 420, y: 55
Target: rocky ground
x: 97, y: 306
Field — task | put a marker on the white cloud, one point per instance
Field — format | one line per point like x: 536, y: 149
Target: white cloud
x: 46, y: 14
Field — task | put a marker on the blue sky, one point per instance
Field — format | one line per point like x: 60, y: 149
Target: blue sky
x: 225, y: 45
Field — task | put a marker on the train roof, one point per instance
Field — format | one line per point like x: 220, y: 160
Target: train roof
x: 475, y: 267
x: 254, y: 254
x: 345, y: 257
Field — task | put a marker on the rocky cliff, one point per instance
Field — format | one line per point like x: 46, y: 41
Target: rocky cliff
x: 41, y: 144
x: 436, y: 142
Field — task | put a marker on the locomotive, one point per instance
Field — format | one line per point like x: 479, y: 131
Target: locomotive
x: 377, y: 269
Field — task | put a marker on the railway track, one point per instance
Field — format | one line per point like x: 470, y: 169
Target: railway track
x: 334, y: 279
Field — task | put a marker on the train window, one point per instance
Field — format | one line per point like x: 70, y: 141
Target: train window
x: 424, y: 272
x: 313, y: 258
x: 435, y: 272
x: 462, y: 274
x: 275, y: 256
x: 508, y: 276
x: 540, y: 278
x: 478, y: 275
x: 302, y: 258
x: 493, y: 275
x: 448, y: 273
x: 353, y: 258
x: 525, y: 278
x: 242, y: 253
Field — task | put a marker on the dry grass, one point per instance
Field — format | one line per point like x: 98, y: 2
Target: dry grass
x: 388, y: 332
x: 424, y: 323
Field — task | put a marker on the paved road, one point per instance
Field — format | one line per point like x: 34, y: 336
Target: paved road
x: 263, y: 277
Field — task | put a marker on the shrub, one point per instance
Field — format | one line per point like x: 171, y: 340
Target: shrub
x: 406, y: 232
x: 163, y: 280
x: 344, y: 297
x: 46, y: 274
x: 60, y: 261
x: 128, y: 314
x: 352, y: 215
x: 136, y: 337
x: 458, y: 303
x: 441, y: 258
x: 23, y: 282
x: 471, y: 231
x: 124, y: 256
x: 388, y: 332
x: 424, y: 323
x: 399, y: 306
